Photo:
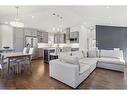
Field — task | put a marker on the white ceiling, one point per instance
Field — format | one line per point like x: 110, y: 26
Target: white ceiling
x: 72, y: 15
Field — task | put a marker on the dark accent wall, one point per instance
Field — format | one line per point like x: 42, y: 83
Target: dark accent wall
x: 109, y: 37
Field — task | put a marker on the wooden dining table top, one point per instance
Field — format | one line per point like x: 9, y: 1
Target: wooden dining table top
x: 15, y: 54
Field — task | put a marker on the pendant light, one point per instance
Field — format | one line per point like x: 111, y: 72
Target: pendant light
x: 17, y: 22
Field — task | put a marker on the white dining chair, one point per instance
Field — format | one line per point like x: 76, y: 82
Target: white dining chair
x: 4, y: 68
x: 17, y: 63
x: 31, y: 50
x: 26, y: 65
x: 25, y: 50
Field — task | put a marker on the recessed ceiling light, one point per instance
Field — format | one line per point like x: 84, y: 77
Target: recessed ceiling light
x: 53, y: 14
x: 33, y: 17
x: 107, y: 7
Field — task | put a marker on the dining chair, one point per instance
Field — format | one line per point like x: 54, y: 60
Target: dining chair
x: 31, y: 50
x: 18, y: 62
x: 25, y: 64
x: 4, y: 68
x: 25, y: 50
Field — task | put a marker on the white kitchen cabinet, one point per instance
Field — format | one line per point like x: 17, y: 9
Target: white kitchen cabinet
x: 59, y: 38
x: 40, y: 52
x: 27, y: 32
x: 30, y: 32
x: 34, y: 33
x: 74, y: 37
x: 42, y: 37
x: 45, y: 37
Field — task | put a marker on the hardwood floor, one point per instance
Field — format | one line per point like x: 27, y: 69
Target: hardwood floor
x: 39, y: 79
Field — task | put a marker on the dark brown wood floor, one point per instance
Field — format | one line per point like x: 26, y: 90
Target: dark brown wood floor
x: 39, y: 79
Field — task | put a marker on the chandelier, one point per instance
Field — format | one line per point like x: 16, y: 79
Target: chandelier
x: 17, y: 22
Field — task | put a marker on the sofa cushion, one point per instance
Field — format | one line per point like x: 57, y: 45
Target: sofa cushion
x: 111, y: 54
x: 111, y: 60
x: 63, y: 54
x: 84, y: 54
x: 83, y: 68
x: 98, y: 53
x: 88, y: 61
x: 78, y: 54
x: 70, y: 59
x: 92, y: 53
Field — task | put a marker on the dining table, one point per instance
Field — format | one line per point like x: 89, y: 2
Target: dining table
x: 15, y: 56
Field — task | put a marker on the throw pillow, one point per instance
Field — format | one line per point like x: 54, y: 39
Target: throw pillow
x: 92, y: 53
x: 70, y: 59
x: 78, y: 54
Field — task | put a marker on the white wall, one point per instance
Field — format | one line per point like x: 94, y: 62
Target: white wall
x: 91, y: 35
x: 83, y: 38
x: 0, y: 40
x: 6, y: 35
x: 87, y: 36
x: 51, y: 37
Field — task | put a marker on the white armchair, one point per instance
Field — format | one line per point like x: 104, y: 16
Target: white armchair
x: 64, y: 72
x: 67, y: 73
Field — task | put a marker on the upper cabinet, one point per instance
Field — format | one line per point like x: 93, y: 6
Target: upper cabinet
x: 42, y: 37
x: 45, y: 37
x: 74, y: 37
x: 39, y: 36
x: 30, y: 32
x: 60, y: 38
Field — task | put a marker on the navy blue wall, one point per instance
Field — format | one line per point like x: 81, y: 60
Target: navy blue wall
x: 109, y: 37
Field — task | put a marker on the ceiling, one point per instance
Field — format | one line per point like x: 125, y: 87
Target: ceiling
x: 44, y: 19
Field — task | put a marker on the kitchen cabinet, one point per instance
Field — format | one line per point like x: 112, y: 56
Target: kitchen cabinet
x: 60, y: 38
x: 42, y: 37
x: 45, y: 37
x: 39, y: 36
x: 34, y: 33
x: 56, y: 38
x: 74, y: 37
x: 30, y: 32
x: 40, y: 52
x: 47, y: 52
x: 27, y: 32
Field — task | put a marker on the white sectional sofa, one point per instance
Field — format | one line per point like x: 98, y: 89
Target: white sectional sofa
x: 112, y: 60
x: 72, y: 68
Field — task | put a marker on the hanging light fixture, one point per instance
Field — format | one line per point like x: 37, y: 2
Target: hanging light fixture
x: 17, y: 22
